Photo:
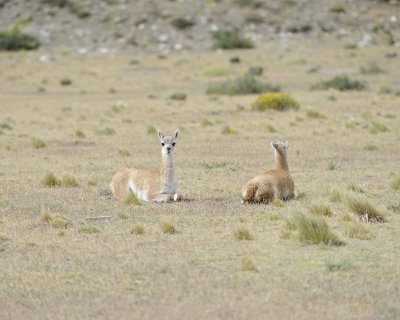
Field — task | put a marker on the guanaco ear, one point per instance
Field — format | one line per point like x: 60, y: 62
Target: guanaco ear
x: 274, y: 144
x: 176, y: 134
x: 286, y: 143
x: 160, y: 135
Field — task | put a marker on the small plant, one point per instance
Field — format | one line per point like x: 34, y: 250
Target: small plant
x: 313, y: 114
x: 277, y: 203
x: 122, y: 215
x: 46, y: 216
x: 92, y: 182
x: 270, y: 128
x: 69, y: 181
x: 182, y: 23
x: 332, y: 164
x: 363, y: 207
x: 178, y: 96
x: 321, y: 209
x: 395, y: 183
x: 205, y: 122
x: 377, y: 127
x: 123, y: 152
x: 137, y: 230
x: 358, y: 230
x: 371, y: 68
x: 214, y: 165
x: 337, y: 7
x: 118, y: 106
x: 228, y: 130
x: 167, y: 227
x: 79, y: 133
x: 3, y: 238
x: 370, y: 147
x: 242, y: 233
x: 59, y: 222
x: 246, y: 84
x: 13, y: 39
x: 310, y: 229
x: 65, y: 81
x: 274, y: 216
x: 247, y: 264
x: 335, y: 195
x: 61, y: 233
x: 338, y: 265
x: 151, y: 129
x: 38, y: 143
x: 131, y: 199
x: 231, y: 40
x: 275, y: 101
x: 5, y: 124
x: 214, y: 71
x: 341, y: 83
x: 51, y: 180
x: 88, y: 229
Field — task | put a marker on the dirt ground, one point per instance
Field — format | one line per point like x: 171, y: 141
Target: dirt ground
x: 60, y: 273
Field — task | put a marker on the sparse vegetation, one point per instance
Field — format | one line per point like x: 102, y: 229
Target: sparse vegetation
x: 137, y: 229
x: 371, y: 68
x: 69, y: 181
x: 178, y: 96
x: 242, y: 233
x: 59, y: 222
x: 335, y: 195
x: 106, y: 131
x: 51, y: 180
x: 167, y: 227
x: 321, y: 209
x: 337, y: 7
x: 65, y: 81
x: 215, y: 71
x: 38, y: 143
x: 356, y: 229
x: 341, y: 83
x: 122, y: 215
x: 228, y: 130
x: 205, y: 122
x: 88, y: 229
x: 395, y: 183
x: 277, y: 203
x: 182, y: 23
x: 246, y: 84
x: 355, y: 187
x: 370, y: 147
x: 131, y: 199
x: 151, y: 129
x: 247, y: 264
x: 377, y: 127
x: 3, y: 238
x: 337, y: 265
x: 123, y: 152
x: 313, y: 114
x: 332, y: 164
x: 310, y: 229
x: 363, y: 207
x: 79, y: 133
x: 214, y: 165
x: 231, y: 40
x: 275, y: 101
x: 13, y: 39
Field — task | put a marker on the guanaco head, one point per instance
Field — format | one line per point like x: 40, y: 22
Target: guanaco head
x: 280, y: 146
x: 168, y: 142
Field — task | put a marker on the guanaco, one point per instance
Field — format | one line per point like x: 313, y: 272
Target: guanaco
x: 276, y: 182
x: 150, y: 185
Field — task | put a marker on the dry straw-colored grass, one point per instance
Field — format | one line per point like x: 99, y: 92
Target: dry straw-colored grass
x: 321, y: 209
x: 137, y: 229
x: 242, y: 233
x: 167, y: 227
x: 364, y: 207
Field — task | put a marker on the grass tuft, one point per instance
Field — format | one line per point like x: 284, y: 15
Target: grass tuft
x: 137, y: 230
x: 180, y: 96
x: 310, y: 229
x: 321, y: 209
x: 205, y: 122
x: 242, y: 233
x: 214, y: 71
x: 313, y: 114
x: 370, y: 147
x: 335, y: 195
x: 122, y: 215
x: 13, y: 39
x: 228, y: 130
x: 225, y: 39
x: 358, y: 230
x: 51, y: 180
x: 131, y: 199
x: 65, y: 81
x: 167, y: 227
x: 3, y: 238
x: 341, y: 83
x: 277, y: 203
x: 247, y: 264
x: 377, y: 127
x: 123, y: 152
x: 337, y: 265
x: 59, y: 222
x: 151, y: 129
x: 395, y: 183
x: 88, y: 229
x: 38, y: 143
x: 363, y: 207
x: 246, y: 84
x: 69, y: 181
x: 275, y: 101
x: 355, y: 187
x: 79, y: 133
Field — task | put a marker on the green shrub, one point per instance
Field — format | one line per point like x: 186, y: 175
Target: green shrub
x: 13, y: 39
x: 275, y: 101
x: 178, y: 96
x: 246, y: 84
x: 341, y: 83
x: 182, y: 23
x: 231, y: 40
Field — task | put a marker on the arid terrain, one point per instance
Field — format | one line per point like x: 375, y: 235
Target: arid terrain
x: 71, y: 251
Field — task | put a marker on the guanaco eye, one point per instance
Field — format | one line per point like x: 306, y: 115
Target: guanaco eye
x: 173, y: 144
x: 162, y: 144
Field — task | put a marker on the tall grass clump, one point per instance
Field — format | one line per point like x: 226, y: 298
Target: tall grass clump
x: 69, y: 181
x: 137, y: 230
x: 247, y: 264
x: 275, y: 101
x: 321, y: 209
x: 88, y: 229
x: 363, y: 207
x: 310, y: 229
x: 246, y: 84
x: 131, y: 199
x: 231, y: 39
x: 167, y: 227
x: 38, y: 143
x: 51, y: 180
x: 341, y: 83
x: 242, y: 233
x: 395, y: 183
x: 358, y: 230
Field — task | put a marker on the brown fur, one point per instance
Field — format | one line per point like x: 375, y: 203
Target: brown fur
x: 276, y: 182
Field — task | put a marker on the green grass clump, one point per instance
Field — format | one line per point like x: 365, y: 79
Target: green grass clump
x: 335, y: 195
x: 341, y: 83
x: 88, y: 229
x: 123, y: 152
x: 151, y: 129
x: 377, y: 127
x: 59, y: 222
x: 13, y: 39
x: 337, y: 265
x: 321, y: 209
x: 182, y: 23
x: 118, y: 106
x: 310, y: 229
x: 79, y: 133
x: 363, y: 207
x: 275, y: 101
x: 277, y: 203
x: 65, y: 81
x: 178, y: 96
x: 38, y: 143
x: 167, y: 227
x: 69, y: 181
x: 137, y: 230
x: 356, y: 229
x: 228, y: 130
x: 274, y: 216
x: 246, y: 84
x: 370, y: 147
x: 247, y: 264
x: 355, y: 187
x: 337, y: 7
x: 395, y: 183
x: 371, y: 68
x: 226, y: 39
x: 313, y: 114
x: 51, y: 180
x: 214, y: 165
x: 131, y: 199
x: 242, y: 233
x: 214, y: 71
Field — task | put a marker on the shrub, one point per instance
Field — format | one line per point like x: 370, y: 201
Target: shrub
x: 59, y: 222
x: 182, y: 23
x: 123, y: 152
x: 228, y: 130
x: 178, y: 96
x: 88, y: 228
x: 167, y: 227
x: 231, y: 40
x: 151, y: 129
x: 363, y: 207
x: 65, y: 81
x: 341, y: 83
x: 337, y: 265
x: 13, y: 39
x: 246, y: 84
x: 337, y: 7
x: 242, y: 234
x: 321, y: 209
x: 377, y: 127
x: 38, y: 143
x: 51, y: 180
x: 275, y: 101
x: 310, y: 229
x: 79, y: 133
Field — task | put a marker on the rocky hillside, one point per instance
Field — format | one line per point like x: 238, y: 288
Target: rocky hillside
x: 166, y: 25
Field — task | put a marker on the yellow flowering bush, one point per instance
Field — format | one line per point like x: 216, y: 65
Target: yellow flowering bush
x: 276, y: 101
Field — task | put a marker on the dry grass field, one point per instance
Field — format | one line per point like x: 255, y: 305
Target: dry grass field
x: 73, y: 252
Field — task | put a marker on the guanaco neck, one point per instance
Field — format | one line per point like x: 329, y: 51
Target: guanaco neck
x: 167, y: 166
x: 281, y: 161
